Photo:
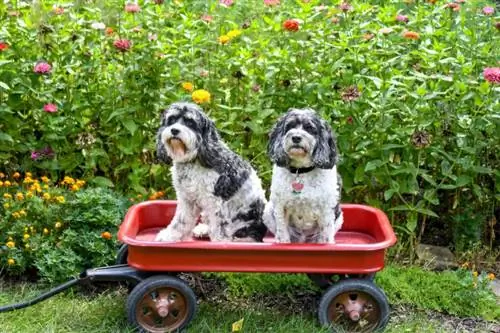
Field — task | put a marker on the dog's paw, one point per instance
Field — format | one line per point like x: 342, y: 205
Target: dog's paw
x: 201, y: 230
x: 166, y: 236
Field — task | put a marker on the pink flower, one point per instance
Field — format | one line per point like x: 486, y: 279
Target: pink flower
x: 132, y: 8
x: 41, y: 153
x: 256, y: 88
x: 35, y: 155
x: 122, y: 44
x: 488, y: 10
x: 58, y: 10
x: 152, y: 37
x: 51, y: 108
x: 271, y: 3
x: 492, y: 74
x: 42, y: 68
x: 226, y: 3
x: 345, y: 7
x: 402, y: 18
x: 207, y: 18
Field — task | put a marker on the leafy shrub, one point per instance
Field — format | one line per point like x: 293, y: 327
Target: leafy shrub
x: 402, y: 83
x: 59, y: 229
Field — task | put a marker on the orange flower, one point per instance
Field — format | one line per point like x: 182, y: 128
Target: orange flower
x: 411, y: 35
x: 16, y: 175
x: 106, y: 235
x: 491, y: 276
x: 109, y: 31
x: 188, y: 86
x: 291, y: 25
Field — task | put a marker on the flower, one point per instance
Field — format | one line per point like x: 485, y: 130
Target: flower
x: 386, y: 31
x: 26, y: 236
x: 350, y: 120
x: 271, y: 3
x: 206, y: 18
x: 109, y: 31
x: 475, y: 274
x: 368, y: 36
x: 488, y: 10
x: 2, y: 175
x: 60, y: 199
x: 453, y: 6
x: 11, y: 261
x: 226, y: 3
x: 402, y: 18
x: 42, y: 67
x: 204, y: 73
x: 291, y: 25
x: 122, y: 44
x: 234, y: 33
x: 132, y: 8
x: 106, y: 235
x: 46, y: 196
x: 256, y: 88
x: 98, y: 26
x: 491, y: 276
x: 224, y: 39
x: 51, y: 108
x: 16, y: 175
x: 152, y: 37
x: 200, y: 96
x: 421, y: 139
x: 37, y: 154
x: 492, y: 74
x: 58, y: 10
x: 19, y: 196
x: 45, y: 179
x: 335, y: 20
x: 7, y: 184
x: 10, y: 244
x: 58, y: 225
x: 345, y: 7
x: 45, y: 231
x: 350, y: 94
x: 75, y: 188
x: 411, y: 35
x: 3, y: 46
x: 188, y: 86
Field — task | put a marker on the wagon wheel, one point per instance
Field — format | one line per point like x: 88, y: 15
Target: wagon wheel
x: 327, y: 280
x: 161, y: 304
x: 122, y: 255
x: 354, y: 305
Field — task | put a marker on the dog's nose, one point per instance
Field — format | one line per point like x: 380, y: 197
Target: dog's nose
x: 296, y: 139
x: 174, y: 131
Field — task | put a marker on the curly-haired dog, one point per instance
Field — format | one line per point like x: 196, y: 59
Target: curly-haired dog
x: 304, y: 205
x: 209, y: 179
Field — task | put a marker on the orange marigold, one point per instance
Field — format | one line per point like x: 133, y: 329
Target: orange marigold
x: 106, y: 235
x: 411, y: 35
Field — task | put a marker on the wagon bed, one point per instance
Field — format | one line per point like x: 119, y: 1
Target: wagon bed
x: 359, y: 249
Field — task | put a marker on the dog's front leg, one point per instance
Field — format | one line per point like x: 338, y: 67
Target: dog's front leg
x: 182, y: 223
x: 282, y: 232
x: 332, y: 222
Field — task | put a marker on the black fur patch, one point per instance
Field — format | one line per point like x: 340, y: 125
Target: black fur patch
x: 256, y: 229
x: 337, y: 211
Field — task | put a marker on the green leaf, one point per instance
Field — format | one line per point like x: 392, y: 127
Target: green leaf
x: 5, y: 137
x: 102, y: 181
x: 463, y: 180
x: 388, y: 194
x: 372, y: 165
x: 4, y: 85
x: 359, y: 174
x: 130, y: 125
x: 425, y: 211
x: 411, y: 222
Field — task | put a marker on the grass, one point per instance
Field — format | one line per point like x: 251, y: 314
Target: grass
x: 75, y: 311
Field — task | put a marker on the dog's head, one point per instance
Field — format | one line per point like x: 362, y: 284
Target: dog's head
x: 185, y: 133
x: 302, y: 139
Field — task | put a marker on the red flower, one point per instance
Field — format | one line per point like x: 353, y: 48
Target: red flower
x: 122, y: 44
x: 291, y: 25
x: 3, y: 46
x: 492, y: 74
x: 51, y: 108
x: 207, y: 18
x: 350, y: 120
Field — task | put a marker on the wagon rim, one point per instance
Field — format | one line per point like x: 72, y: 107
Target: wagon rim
x: 354, y: 311
x: 162, y: 308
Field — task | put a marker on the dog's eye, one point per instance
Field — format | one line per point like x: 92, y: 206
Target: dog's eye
x: 309, y: 128
x: 190, y: 122
x: 171, y: 120
x: 290, y: 125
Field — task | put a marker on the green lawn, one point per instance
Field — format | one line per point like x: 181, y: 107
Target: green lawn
x: 270, y: 303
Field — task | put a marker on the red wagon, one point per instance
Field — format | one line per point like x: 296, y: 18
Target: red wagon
x: 164, y: 302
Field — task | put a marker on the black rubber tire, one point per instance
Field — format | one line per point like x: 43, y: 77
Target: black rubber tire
x: 159, y: 281
x: 122, y: 255
x: 354, y: 285
x: 325, y: 281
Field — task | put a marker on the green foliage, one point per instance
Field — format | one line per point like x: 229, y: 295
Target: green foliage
x: 416, y: 121
x: 59, y: 229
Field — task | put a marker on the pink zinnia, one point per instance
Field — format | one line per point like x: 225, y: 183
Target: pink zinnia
x: 271, y: 3
x: 3, y: 46
x: 345, y: 7
x: 42, y: 68
x: 492, y: 74
x: 402, y: 18
x: 488, y: 10
x: 132, y: 8
x: 227, y: 3
x: 207, y: 18
x: 122, y: 44
x: 51, y: 108
x: 34, y: 155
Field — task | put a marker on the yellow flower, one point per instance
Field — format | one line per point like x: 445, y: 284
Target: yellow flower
x: 45, y: 231
x: 188, y: 86
x: 29, y: 194
x: 80, y: 183
x: 25, y: 229
x: 475, y: 274
x: 22, y: 212
x: 7, y: 196
x: 491, y: 276
x: 7, y: 183
x: 75, y: 188
x: 234, y: 33
x: 28, y: 174
x: 60, y: 199
x: 11, y: 261
x: 16, y: 175
x: 28, y: 180
x: 19, y: 196
x: 46, y: 196
x: 16, y: 215
x: 45, y: 179
x: 26, y: 236
x: 58, y: 225
x: 224, y: 39
x: 6, y: 206
x: 10, y: 244
x: 2, y: 175
x: 27, y: 246
x: 68, y: 180
x: 201, y: 96
x: 45, y: 187
x: 1, y: 183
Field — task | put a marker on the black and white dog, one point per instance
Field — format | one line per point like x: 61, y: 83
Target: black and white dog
x: 209, y: 179
x: 304, y: 204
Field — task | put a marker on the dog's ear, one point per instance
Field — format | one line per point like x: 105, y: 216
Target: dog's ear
x: 208, y: 143
x: 325, y: 153
x: 275, y: 148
